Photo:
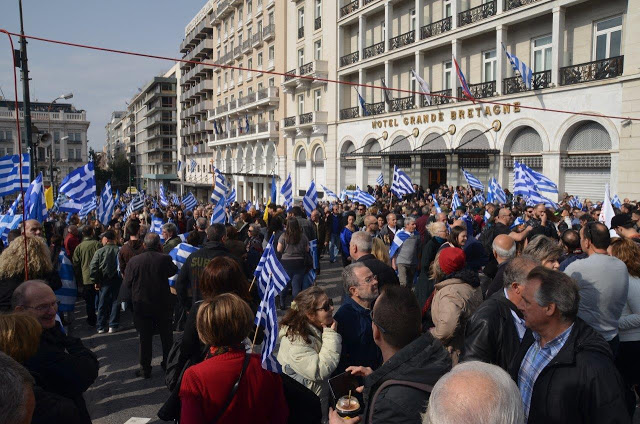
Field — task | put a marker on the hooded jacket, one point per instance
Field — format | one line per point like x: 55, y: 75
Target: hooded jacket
x: 456, y: 299
x: 422, y: 361
x: 580, y: 385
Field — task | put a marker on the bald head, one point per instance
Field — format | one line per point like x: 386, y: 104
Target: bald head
x: 32, y: 227
x: 504, y: 248
x: 35, y: 298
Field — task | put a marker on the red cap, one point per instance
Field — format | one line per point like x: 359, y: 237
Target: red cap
x: 451, y: 259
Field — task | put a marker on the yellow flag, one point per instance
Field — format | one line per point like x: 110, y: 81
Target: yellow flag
x: 48, y: 197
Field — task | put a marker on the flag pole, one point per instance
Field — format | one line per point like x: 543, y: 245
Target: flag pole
x: 253, y: 281
x: 255, y: 336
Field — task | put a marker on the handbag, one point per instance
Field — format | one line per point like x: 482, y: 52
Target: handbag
x: 234, y: 389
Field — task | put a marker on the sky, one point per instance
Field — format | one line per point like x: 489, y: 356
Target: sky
x: 100, y: 82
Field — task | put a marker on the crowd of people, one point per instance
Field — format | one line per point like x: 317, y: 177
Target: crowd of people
x: 483, y: 313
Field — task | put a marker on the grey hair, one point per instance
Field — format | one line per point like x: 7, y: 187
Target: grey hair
x: 434, y: 226
x: 517, y: 269
x: 152, y: 241
x: 170, y: 228
x: 543, y: 248
x: 256, y: 227
x: 507, y: 254
x: 362, y: 240
x: 13, y: 400
x: 409, y: 220
x: 475, y: 393
x: 201, y: 223
x: 349, y: 278
x: 558, y: 288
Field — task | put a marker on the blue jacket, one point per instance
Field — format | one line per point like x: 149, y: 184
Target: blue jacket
x: 358, y: 347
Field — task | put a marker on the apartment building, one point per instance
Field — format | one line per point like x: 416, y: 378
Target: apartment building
x: 584, y: 59
x: 114, y: 145
x: 310, y: 125
x: 68, y: 127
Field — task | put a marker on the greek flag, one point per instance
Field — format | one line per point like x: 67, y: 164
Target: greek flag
x: 179, y: 166
x: 364, y: 197
x: 193, y: 165
x: 91, y: 205
x: 380, y: 180
x: 310, y: 199
x: 156, y: 225
x: 437, y: 205
x: 535, y: 198
x: 575, y: 202
x: 248, y: 206
x: 80, y: 184
x: 70, y: 206
x: 363, y: 104
x: 35, y: 205
x: 398, y: 241
x: 219, y: 187
x: 179, y: 255
x: 287, y: 191
x: 472, y: 180
x: 218, y: 215
x: 174, y: 199
x: 401, y: 184
x: 231, y: 197
x: 163, y: 197
x: 136, y: 203
x: 269, y: 265
x: 347, y: 193
x: 8, y: 223
x: 328, y: 192
x: 478, y: 198
x: 10, y: 176
x: 14, y: 206
x: 518, y: 221
x: 496, y: 193
x: 456, y: 203
x: 536, y: 180
x: 189, y: 201
x: 616, y: 201
x: 310, y: 277
x: 519, y: 67
x: 107, y: 205
x: 68, y: 293
x: 424, y: 87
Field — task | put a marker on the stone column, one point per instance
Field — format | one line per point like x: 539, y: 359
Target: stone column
x: 551, y: 168
x: 501, y: 38
x: 557, y: 44
x: 455, y: 52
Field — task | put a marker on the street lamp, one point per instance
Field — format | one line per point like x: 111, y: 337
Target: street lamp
x: 61, y: 97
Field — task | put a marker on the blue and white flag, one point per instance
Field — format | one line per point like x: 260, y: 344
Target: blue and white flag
x: 455, y: 203
x: 135, y: 204
x: 90, y: 206
x: 310, y: 199
x: 218, y: 215
x: 521, y: 181
x: 328, y: 192
x: 363, y: 103
x: 36, y: 207
x: 219, y: 187
x: 496, y: 193
x: 231, y: 197
x: 539, y: 182
x: 174, y: 199
x: 518, y: 221
x: 472, y: 180
x: 399, y: 239
x: 347, y: 193
x: 8, y: 223
x: 401, y: 183
x: 269, y: 265
x: 10, y: 176
x: 80, y: 184
x: 535, y: 198
x: 179, y: 166
x: 364, y: 197
x: 248, y: 206
x: 107, y: 205
x: 575, y: 202
x: 310, y: 277
x: 616, y: 202
x: 478, y: 198
x: 287, y: 191
x: 189, y: 201
x: 519, y: 67
x: 179, y: 255
x: 68, y: 293
x: 380, y: 180
x: 14, y: 206
x: 437, y: 205
x: 156, y: 225
x: 193, y: 165
x: 163, y: 197
x: 70, y: 206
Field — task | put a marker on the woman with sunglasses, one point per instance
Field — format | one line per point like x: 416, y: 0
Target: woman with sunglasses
x: 309, y: 343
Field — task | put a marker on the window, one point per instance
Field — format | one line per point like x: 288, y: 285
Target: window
x: 272, y: 115
x: 272, y: 82
x: 541, y: 48
x: 300, y: 104
x: 249, y: 33
x: 272, y: 53
x: 318, y: 9
x: 240, y: 15
x: 232, y: 75
x: 489, y: 66
x: 56, y: 136
x: 240, y: 40
x: 301, y: 18
x: 272, y: 19
x: 447, y: 8
x: 317, y: 46
x: 412, y: 23
x: 9, y: 150
x: 71, y: 154
x: 317, y: 98
x: 240, y: 72
x: 78, y: 154
x: 608, y: 36
x: 249, y: 7
x: 300, y: 57
x: 219, y: 81
x: 260, y: 60
x: 383, y: 31
x: 260, y: 86
x: 259, y: 27
x: 447, y: 76
x: 57, y: 154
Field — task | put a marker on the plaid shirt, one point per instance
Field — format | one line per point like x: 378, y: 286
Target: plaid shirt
x: 536, y: 359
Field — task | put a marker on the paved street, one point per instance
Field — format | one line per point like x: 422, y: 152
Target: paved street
x: 118, y: 396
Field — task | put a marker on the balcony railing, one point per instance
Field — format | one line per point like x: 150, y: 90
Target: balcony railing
x: 348, y: 8
x: 349, y: 113
x: 366, y: 2
x: 402, y: 40
x: 402, y: 103
x: 306, y: 118
x: 317, y: 24
x: 481, y: 90
x: 373, y: 50
x: 289, y: 121
x: 349, y: 58
x: 246, y: 46
x: 592, y: 71
x: 436, y: 99
x: 300, y: 32
x: 290, y: 75
x: 375, y: 108
x: 513, y: 4
x: 256, y: 39
x: 307, y: 68
x: 515, y: 84
x: 476, y: 14
x: 269, y: 31
x: 435, y: 28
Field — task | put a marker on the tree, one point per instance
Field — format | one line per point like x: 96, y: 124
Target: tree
x: 121, y: 172
x: 103, y: 173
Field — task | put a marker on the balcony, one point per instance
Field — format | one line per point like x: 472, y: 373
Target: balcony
x: 312, y: 123
x: 436, y: 98
x: 265, y: 98
x: 270, y: 129
x: 435, y: 28
x: 271, y: 64
x: 515, y: 84
x: 246, y: 46
x: 367, y: 2
x: 228, y: 58
x: 204, y: 86
x: 481, y: 90
x: 350, y: 58
x: 300, y: 32
x: 514, y: 4
x: 289, y: 122
x: 374, y: 108
x: 349, y: 113
x: 237, y: 52
x: 290, y: 75
x: 373, y: 50
x: 402, y: 103
x: 317, y: 23
x: 476, y: 14
x: 269, y: 32
x: 349, y: 8
x: 402, y: 40
x: 309, y: 74
x: 256, y: 40
x: 592, y: 71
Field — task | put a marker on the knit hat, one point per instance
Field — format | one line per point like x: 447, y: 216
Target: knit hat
x: 451, y: 259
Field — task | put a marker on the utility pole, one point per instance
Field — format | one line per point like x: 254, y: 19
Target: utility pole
x: 26, y: 102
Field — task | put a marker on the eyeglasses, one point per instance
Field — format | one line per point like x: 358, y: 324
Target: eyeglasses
x: 45, y: 307
x: 374, y: 321
x: 371, y: 279
x: 327, y: 306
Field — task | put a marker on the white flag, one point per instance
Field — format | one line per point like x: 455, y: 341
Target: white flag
x: 424, y: 87
x: 607, y: 210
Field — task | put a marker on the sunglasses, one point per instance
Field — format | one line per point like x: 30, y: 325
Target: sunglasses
x: 327, y: 306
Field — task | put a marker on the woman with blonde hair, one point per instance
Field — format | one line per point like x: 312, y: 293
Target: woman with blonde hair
x: 380, y: 250
x: 12, y: 261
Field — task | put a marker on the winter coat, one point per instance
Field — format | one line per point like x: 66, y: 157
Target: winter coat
x: 146, y: 280
x: 170, y: 244
x: 580, y: 385
x: 424, y: 361
x: 128, y: 251
x: 104, y: 265
x: 491, y: 335
x: 310, y: 363
x: 456, y: 299
x: 82, y: 257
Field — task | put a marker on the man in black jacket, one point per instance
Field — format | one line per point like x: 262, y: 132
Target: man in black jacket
x: 63, y: 364
x: 414, y: 360
x: 146, y: 278
x: 494, y: 332
x: 360, y: 251
x: 567, y: 374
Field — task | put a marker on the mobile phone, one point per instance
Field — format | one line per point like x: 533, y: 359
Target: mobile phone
x: 341, y: 384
